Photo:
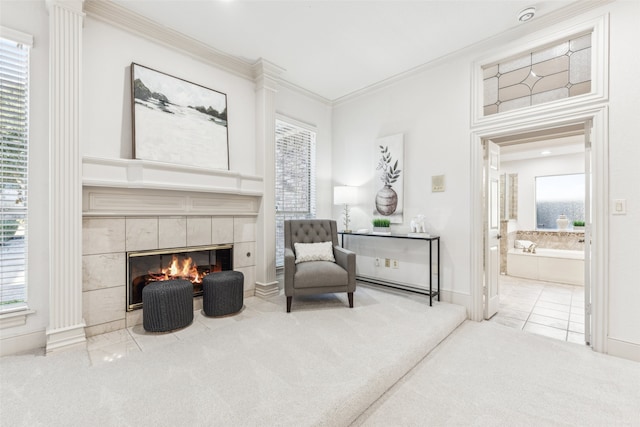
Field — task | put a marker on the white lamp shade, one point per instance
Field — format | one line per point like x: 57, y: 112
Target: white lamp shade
x: 344, y: 194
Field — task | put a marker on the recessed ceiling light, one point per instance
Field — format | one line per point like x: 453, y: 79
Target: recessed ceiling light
x: 526, y: 14
x: 545, y: 152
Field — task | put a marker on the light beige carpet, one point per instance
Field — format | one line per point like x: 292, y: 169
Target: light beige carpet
x: 322, y: 364
x: 486, y: 374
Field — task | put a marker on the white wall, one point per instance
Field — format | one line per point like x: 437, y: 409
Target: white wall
x: 31, y: 17
x: 106, y: 126
x: 527, y: 171
x: 624, y: 176
x: 432, y: 108
x: 432, y: 111
x: 107, y: 55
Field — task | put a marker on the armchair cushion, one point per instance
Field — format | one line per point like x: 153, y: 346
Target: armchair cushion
x: 317, y: 274
x: 306, y: 252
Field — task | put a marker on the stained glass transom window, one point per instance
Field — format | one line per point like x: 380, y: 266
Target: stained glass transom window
x: 558, y: 71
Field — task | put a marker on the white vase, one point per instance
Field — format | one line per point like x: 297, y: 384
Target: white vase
x: 562, y: 222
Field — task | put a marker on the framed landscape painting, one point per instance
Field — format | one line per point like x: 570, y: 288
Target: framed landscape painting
x: 175, y: 121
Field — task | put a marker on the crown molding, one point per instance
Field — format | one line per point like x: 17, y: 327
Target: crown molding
x: 306, y: 92
x: 125, y: 19
x: 570, y: 11
x: 134, y: 23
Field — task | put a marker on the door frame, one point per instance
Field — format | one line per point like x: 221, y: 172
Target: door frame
x: 599, y: 206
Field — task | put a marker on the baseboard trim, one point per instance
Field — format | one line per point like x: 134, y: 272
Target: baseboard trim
x: 624, y: 349
x: 457, y: 299
x: 65, y: 338
x: 22, y: 343
x: 266, y: 290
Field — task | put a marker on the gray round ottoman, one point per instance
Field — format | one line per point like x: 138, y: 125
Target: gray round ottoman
x: 223, y: 293
x: 167, y: 305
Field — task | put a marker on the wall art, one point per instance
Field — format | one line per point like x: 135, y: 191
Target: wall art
x: 389, y: 170
x: 176, y: 121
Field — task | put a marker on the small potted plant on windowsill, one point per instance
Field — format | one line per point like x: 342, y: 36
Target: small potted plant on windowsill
x: 578, y: 225
x: 381, y: 226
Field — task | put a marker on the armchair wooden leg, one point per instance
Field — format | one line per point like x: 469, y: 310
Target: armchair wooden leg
x: 350, y: 295
x: 289, y: 299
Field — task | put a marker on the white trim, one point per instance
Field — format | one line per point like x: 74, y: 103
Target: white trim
x: 625, y: 349
x: 541, y: 24
x: 301, y: 124
x: 600, y: 207
x: 306, y: 92
x: 16, y: 36
x: 12, y: 319
x: 21, y: 343
x: 457, y: 298
x: 134, y: 23
x: 133, y: 173
x: 599, y: 67
x: 111, y: 201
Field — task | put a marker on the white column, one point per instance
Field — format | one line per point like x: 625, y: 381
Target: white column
x: 66, y: 325
x: 266, y: 78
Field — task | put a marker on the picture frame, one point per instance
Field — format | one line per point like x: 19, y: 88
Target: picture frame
x: 389, y: 171
x: 176, y: 121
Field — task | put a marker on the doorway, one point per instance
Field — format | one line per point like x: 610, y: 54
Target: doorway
x: 596, y: 230
x: 541, y: 227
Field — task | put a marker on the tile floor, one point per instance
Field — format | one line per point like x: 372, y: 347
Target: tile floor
x: 551, y: 309
x: 115, y: 345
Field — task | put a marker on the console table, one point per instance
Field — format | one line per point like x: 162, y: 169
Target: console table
x: 429, y: 240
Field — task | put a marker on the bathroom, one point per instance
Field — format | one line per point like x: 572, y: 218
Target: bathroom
x: 542, y: 220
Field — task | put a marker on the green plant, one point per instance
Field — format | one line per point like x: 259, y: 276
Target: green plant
x: 578, y: 223
x: 381, y: 222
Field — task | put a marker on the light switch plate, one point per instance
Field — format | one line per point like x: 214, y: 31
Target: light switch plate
x: 437, y: 183
x: 619, y: 207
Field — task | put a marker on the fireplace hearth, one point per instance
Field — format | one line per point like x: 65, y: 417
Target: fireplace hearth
x: 193, y: 264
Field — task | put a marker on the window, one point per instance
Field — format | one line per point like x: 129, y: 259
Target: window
x: 558, y: 71
x: 14, y: 129
x: 295, y: 178
x: 559, y: 195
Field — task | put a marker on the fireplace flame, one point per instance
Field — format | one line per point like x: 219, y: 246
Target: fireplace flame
x: 179, y: 269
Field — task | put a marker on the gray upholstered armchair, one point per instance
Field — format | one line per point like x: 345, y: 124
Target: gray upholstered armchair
x: 316, y: 277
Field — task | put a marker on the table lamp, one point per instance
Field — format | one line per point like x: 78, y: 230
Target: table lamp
x: 344, y: 194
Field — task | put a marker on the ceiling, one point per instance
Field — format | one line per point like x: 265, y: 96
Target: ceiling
x: 559, y: 141
x: 335, y: 48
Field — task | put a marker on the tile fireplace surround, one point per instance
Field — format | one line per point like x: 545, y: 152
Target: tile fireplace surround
x: 148, y: 219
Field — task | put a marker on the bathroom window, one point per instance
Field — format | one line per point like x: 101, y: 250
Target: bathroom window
x: 556, y: 71
x: 559, y: 195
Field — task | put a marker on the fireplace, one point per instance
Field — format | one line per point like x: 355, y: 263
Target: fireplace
x: 144, y: 267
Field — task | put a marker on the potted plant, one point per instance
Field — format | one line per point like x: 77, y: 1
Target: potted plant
x: 381, y: 225
x: 578, y: 225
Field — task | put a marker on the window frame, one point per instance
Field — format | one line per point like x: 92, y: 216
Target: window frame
x: 555, y: 228
x: 311, y: 197
x: 13, y: 313
x: 599, y: 28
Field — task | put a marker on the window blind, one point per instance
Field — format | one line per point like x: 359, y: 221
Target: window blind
x: 295, y: 178
x: 14, y: 128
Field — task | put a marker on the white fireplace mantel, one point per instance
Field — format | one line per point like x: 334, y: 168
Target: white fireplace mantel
x: 141, y: 187
x: 128, y: 173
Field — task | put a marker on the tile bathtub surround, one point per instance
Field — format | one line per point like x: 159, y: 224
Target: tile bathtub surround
x: 107, y: 240
x: 567, y: 240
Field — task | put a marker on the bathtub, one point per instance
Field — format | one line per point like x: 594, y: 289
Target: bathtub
x: 548, y: 265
